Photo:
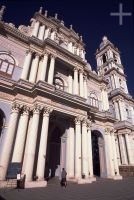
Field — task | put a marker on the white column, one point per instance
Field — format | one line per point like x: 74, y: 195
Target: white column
x: 8, y: 141
x: 51, y: 70
x: 104, y: 97
x: 85, y: 86
x: 44, y: 67
x: 128, y: 146
x: 132, y: 114
x: 84, y: 149
x: 30, y: 154
x: 113, y: 82
x: 77, y: 148
x: 122, y: 109
x: 36, y: 29
x: 52, y: 36
x: 26, y: 65
x: 27, y: 142
x: 116, y: 81
x: 117, y: 150
x: 46, y: 33
x: 34, y: 69
x: 75, y: 85
x: 39, y: 69
x: 81, y: 83
x: 116, y: 167
x: 70, y: 46
x: 122, y: 150
x: 116, y: 110
x: 20, y: 137
x: 70, y: 84
x: 89, y: 149
x: 43, y: 145
x: 109, y: 157
x: 41, y: 32
x: 70, y: 161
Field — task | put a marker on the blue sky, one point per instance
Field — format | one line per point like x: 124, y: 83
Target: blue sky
x: 91, y: 19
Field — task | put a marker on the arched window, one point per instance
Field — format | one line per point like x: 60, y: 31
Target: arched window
x: 59, y: 83
x: 7, y: 64
x: 104, y: 58
x: 94, y: 100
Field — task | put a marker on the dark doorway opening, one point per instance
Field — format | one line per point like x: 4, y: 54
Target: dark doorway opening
x: 95, y: 152
x: 2, y: 117
x: 53, y: 152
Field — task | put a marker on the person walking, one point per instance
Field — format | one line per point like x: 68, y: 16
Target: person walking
x: 63, y: 178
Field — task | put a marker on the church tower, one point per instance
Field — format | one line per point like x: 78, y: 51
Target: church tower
x: 110, y: 66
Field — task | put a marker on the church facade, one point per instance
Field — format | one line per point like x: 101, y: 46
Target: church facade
x: 55, y: 111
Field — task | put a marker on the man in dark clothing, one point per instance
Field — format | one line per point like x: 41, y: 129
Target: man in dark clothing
x: 63, y: 177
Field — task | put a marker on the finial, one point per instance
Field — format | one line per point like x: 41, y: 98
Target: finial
x: 62, y: 22
x: 104, y: 39
x: 2, y: 12
x: 40, y: 11
x: 46, y: 13
x: 81, y: 38
x: 56, y: 16
x: 71, y: 27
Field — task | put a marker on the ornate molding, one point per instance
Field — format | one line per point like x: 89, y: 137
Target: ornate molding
x: 36, y: 108
x: 15, y: 107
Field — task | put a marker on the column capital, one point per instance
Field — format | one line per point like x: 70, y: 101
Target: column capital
x: 107, y: 131
x: 89, y: 124
x: 84, y: 121
x: 26, y: 110
x: 37, y: 54
x: 36, y: 108
x: 85, y: 77
x: 47, y: 111
x: 15, y: 107
x: 81, y: 71
x: 75, y: 69
x: 77, y: 120
x: 29, y: 51
x: 52, y: 56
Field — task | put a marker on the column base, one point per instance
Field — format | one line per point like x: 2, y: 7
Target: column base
x: 116, y: 177
x: 35, y: 184
x: 84, y: 181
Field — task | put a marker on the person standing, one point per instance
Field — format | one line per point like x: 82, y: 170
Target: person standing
x: 63, y: 177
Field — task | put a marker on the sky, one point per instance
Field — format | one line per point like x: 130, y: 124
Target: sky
x: 91, y: 19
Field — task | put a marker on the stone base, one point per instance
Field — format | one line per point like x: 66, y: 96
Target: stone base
x: 118, y: 177
x: 92, y: 178
x: 84, y: 181
x: 35, y: 184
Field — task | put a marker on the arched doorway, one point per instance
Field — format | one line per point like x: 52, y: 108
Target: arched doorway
x: 98, y: 152
x: 56, y: 147
x: 2, y: 117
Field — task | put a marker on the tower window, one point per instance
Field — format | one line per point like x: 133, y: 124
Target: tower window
x: 104, y: 58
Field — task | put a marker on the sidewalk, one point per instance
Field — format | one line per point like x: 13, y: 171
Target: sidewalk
x: 102, y: 189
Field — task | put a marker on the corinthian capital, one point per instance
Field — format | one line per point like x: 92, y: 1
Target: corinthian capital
x: 37, y: 108
x: 26, y: 110
x: 15, y: 107
x: 77, y: 120
x: 47, y: 111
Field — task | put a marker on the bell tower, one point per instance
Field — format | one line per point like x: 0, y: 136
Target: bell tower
x: 109, y: 65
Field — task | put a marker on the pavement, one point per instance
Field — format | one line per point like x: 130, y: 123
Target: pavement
x: 102, y: 189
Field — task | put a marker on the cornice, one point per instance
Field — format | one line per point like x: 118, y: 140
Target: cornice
x: 107, y: 46
x: 118, y: 93
x: 43, y: 89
